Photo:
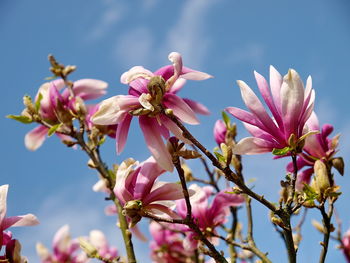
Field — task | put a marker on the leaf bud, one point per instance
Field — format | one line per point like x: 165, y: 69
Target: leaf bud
x: 321, y: 180
x: 338, y: 163
x: 87, y: 247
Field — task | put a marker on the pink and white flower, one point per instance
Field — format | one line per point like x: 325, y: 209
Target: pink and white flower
x: 317, y: 147
x: 207, y: 216
x: 56, y: 105
x: 220, y: 131
x: 149, y: 94
x: 137, y: 189
x: 6, y: 222
x: 65, y: 249
x: 290, y: 104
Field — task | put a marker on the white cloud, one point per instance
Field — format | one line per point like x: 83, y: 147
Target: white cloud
x: 188, y: 34
x: 135, y: 47
x: 250, y: 54
x: 113, y: 12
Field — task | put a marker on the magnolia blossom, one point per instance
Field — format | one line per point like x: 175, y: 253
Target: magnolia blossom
x: 149, y: 94
x: 64, y: 249
x: 317, y: 147
x: 6, y: 222
x: 137, y: 189
x: 56, y: 105
x: 346, y: 245
x: 167, y: 244
x: 290, y: 104
x: 220, y: 131
x: 207, y: 216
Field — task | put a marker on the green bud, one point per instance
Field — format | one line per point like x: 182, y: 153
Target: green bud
x: 87, y: 247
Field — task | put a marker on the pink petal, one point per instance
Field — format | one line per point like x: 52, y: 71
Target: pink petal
x: 25, y: 220
x: 176, y: 59
x: 256, y: 107
x: 125, y: 175
x: 61, y: 241
x: 265, y: 92
x: 155, y: 144
x: 197, y: 107
x: 156, y: 208
x: 191, y: 74
x: 180, y: 108
x: 3, y: 198
x: 292, y: 95
x: 148, y: 173
x: 122, y: 133
x: 167, y: 191
x: 171, y: 126
x: 276, y: 84
x: 177, y: 86
x: 257, y: 132
x: 113, y: 110
x: 140, y: 85
x: 166, y: 72
x: 251, y: 145
x: 89, y: 89
x: 35, y: 138
x: 134, y: 73
x: 245, y: 116
x: 219, y: 132
x: 98, y: 239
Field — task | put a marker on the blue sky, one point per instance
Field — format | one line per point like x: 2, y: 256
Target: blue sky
x: 226, y: 38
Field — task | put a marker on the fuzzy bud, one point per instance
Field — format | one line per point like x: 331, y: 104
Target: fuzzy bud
x: 321, y: 180
x: 87, y: 247
x: 338, y: 163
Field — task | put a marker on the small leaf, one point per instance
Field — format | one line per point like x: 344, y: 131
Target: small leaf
x: 53, y: 129
x: 220, y: 157
x: 226, y: 118
x: 282, y: 151
x: 103, y: 139
x: 20, y: 118
x: 37, y: 103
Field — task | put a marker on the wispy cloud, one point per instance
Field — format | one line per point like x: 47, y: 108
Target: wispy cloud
x: 188, y: 35
x: 135, y: 47
x: 113, y: 12
x: 249, y: 54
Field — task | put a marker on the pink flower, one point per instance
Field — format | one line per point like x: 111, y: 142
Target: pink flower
x: 56, y: 105
x: 6, y: 222
x: 137, y: 189
x: 98, y: 240
x: 64, y: 249
x: 290, y: 104
x: 149, y: 94
x: 167, y: 244
x: 317, y: 147
x: 220, y: 130
x: 346, y: 245
x: 207, y: 216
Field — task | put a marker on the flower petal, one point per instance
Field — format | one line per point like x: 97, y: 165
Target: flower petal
x: 134, y: 73
x: 191, y: 74
x: 176, y: 59
x: 24, y: 220
x: 113, y: 110
x: 122, y: 133
x: 275, y: 84
x: 125, y: 175
x: 155, y: 144
x: 180, y: 108
x: 251, y: 145
x: 171, y: 126
x: 35, y: 138
x: 89, y: 89
x: 167, y: 191
x: 3, y: 198
x: 197, y: 107
x: 148, y: 173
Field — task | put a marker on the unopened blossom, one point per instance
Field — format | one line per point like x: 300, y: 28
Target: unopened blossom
x: 317, y: 147
x: 220, y: 131
x: 167, y: 244
x: 207, y: 216
x: 57, y: 106
x: 345, y: 245
x: 64, y: 249
x: 290, y: 105
x: 6, y: 222
x: 138, y: 190
x: 149, y: 94
x: 98, y: 242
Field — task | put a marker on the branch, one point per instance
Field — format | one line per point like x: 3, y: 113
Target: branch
x: 327, y: 227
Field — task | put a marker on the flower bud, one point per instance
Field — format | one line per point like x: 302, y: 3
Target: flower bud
x: 87, y: 247
x: 338, y: 163
x: 220, y: 132
x: 318, y: 226
x: 321, y: 180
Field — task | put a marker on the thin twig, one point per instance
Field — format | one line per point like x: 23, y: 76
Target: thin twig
x: 327, y: 227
